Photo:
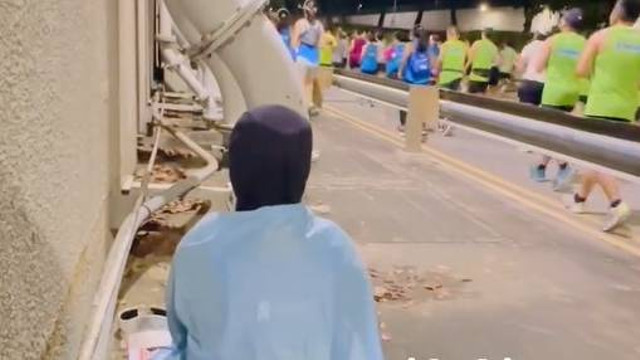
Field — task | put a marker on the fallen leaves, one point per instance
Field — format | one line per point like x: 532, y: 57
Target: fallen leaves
x: 163, y: 173
x: 162, y: 233
x: 177, y: 214
x: 405, y: 285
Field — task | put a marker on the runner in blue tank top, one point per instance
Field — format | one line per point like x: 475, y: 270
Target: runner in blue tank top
x: 416, y: 69
x: 395, y: 57
x: 417, y: 64
x: 284, y: 29
x: 369, y: 63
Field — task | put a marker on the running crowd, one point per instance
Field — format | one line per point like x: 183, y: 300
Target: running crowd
x: 597, y: 77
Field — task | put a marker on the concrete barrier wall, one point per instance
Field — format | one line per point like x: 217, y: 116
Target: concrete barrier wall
x: 58, y: 161
x: 436, y: 20
x: 401, y: 20
x: 367, y: 20
x: 499, y: 18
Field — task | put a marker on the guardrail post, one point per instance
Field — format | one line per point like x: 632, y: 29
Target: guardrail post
x: 424, y: 109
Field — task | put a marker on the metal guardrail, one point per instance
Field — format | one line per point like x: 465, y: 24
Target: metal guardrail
x: 607, y: 144
x: 614, y: 129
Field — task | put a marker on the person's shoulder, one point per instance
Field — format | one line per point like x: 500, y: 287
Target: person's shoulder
x: 206, y: 230
x: 302, y: 22
x: 600, y: 34
x: 321, y: 226
x: 335, y: 241
x: 580, y: 37
x: 324, y: 228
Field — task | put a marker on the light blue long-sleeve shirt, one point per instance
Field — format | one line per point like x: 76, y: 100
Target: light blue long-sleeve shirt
x: 277, y: 283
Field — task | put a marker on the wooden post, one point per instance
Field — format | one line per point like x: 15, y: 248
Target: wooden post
x: 424, y: 110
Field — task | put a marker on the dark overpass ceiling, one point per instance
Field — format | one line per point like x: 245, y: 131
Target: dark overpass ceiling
x: 350, y: 7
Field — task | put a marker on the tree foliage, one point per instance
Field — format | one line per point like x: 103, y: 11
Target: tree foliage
x: 596, y: 12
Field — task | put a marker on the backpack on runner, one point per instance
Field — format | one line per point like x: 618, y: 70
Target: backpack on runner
x: 370, y: 59
x: 394, y: 60
x: 419, y: 68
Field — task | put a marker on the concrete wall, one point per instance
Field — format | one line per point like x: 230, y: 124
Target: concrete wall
x: 436, y: 20
x: 58, y: 147
x: 401, y: 20
x: 498, y: 18
x: 368, y: 20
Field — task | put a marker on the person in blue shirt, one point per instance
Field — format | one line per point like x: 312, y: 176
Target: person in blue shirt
x: 369, y: 62
x: 396, y: 54
x: 416, y: 68
x: 270, y: 281
x: 434, y: 46
x: 283, y: 26
x: 305, y: 38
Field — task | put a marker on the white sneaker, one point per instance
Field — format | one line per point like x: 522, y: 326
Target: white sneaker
x: 448, y: 131
x: 573, y: 206
x: 315, y: 155
x: 314, y: 111
x: 617, y: 217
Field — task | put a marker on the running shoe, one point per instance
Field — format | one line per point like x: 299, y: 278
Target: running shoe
x: 617, y: 217
x: 315, y: 155
x: 564, y: 179
x: 401, y: 129
x: 538, y: 174
x: 314, y: 111
x: 570, y: 203
x: 448, y: 131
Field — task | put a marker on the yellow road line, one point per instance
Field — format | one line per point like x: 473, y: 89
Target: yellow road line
x: 537, y: 202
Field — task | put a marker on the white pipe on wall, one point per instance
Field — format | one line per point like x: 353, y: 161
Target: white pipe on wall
x: 208, y: 93
x: 182, y: 67
x: 255, y: 55
x: 234, y: 103
x: 99, y: 335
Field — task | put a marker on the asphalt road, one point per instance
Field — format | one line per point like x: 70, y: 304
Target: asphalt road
x: 487, y: 265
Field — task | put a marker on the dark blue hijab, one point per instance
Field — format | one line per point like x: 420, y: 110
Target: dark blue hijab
x: 270, y: 157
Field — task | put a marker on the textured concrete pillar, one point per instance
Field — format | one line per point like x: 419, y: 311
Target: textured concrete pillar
x: 423, y: 113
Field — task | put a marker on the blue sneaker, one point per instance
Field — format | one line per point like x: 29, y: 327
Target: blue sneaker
x: 538, y: 174
x: 564, y: 179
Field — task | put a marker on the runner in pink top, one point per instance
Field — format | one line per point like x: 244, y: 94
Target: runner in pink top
x: 355, y: 55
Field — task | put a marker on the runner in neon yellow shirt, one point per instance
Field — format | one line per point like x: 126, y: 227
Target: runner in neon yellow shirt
x: 483, y: 58
x: 559, y: 58
x: 328, y: 44
x: 612, y: 59
x: 453, y: 55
